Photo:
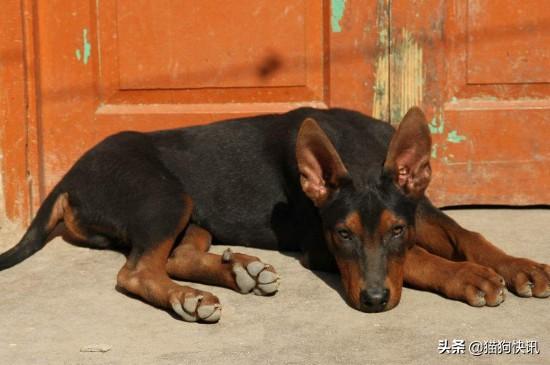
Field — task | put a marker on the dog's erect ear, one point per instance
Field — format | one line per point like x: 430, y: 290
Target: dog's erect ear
x: 321, y: 168
x: 408, y: 157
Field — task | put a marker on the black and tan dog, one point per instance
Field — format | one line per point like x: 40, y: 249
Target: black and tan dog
x: 344, y: 189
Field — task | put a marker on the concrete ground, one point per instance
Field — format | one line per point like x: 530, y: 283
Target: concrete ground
x: 62, y: 300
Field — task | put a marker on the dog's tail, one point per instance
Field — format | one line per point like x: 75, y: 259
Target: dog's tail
x: 36, y: 236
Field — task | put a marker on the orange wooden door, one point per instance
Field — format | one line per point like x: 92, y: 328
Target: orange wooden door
x: 481, y: 69
x: 78, y: 70
x: 97, y: 67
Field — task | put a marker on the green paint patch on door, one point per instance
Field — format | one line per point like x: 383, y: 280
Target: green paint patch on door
x: 443, y: 140
x: 434, y: 150
x: 437, y: 125
x: 84, y: 54
x: 454, y: 137
x: 337, y: 12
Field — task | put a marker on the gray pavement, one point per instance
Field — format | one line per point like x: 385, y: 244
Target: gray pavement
x: 63, y: 300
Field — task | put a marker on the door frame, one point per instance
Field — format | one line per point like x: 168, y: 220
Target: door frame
x: 18, y: 105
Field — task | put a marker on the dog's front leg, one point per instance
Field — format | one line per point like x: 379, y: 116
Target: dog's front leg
x: 466, y: 281
x: 440, y: 234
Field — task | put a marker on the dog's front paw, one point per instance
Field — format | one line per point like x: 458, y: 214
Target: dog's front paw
x: 525, y: 277
x: 194, y: 305
x: 475, y: 284
x: 252, y: 275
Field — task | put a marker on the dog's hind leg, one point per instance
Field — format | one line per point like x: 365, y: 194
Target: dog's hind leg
x: 191, y: 261
x: 145, y: 276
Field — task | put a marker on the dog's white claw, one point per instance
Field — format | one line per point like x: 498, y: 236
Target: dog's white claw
x: 501, y: 296
x: 480, y: 299
x: 214, y: 317
x: 269, y: 288
x: 244, y: 281
x: 210, y: 313
x: 191, y: 311
x: 545, y: 294
x: 190, y: 303
x: 267, y: 277
x: 257, y: 291
x: 526, y: 290
x: 255, y: 267
x: 176, y: 306
x: 227, y: 255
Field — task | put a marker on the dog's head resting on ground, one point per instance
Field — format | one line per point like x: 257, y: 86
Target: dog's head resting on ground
x: 368, y: 229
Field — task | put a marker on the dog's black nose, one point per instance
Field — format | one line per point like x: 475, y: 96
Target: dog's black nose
x: 374, y: 299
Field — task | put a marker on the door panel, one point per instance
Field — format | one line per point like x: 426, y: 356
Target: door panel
x: 209, y: 51
x: 485, y: 88
x: 106, y: 66
x: 507, y: 43
x: 159, y: 48
x: 147, y: 64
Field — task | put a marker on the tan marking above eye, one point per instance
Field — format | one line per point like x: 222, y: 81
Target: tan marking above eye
x: 354, y: 223
x: 388, y: 221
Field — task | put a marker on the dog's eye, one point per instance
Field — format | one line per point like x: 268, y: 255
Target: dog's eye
x: 344, y: 233
x: 397, y: 231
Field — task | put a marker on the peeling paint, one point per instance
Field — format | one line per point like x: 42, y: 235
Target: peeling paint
x: 434, y: 150
x: 381, y: 87
x: 446, y: 158
x: 440, y: 148
x: 437, y: 125
x: 84, y: 54
x: 406, y: 76
x: 337, y: 8
x: 454, y: 137
x: 383, y: 36
x: 87, y: 46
